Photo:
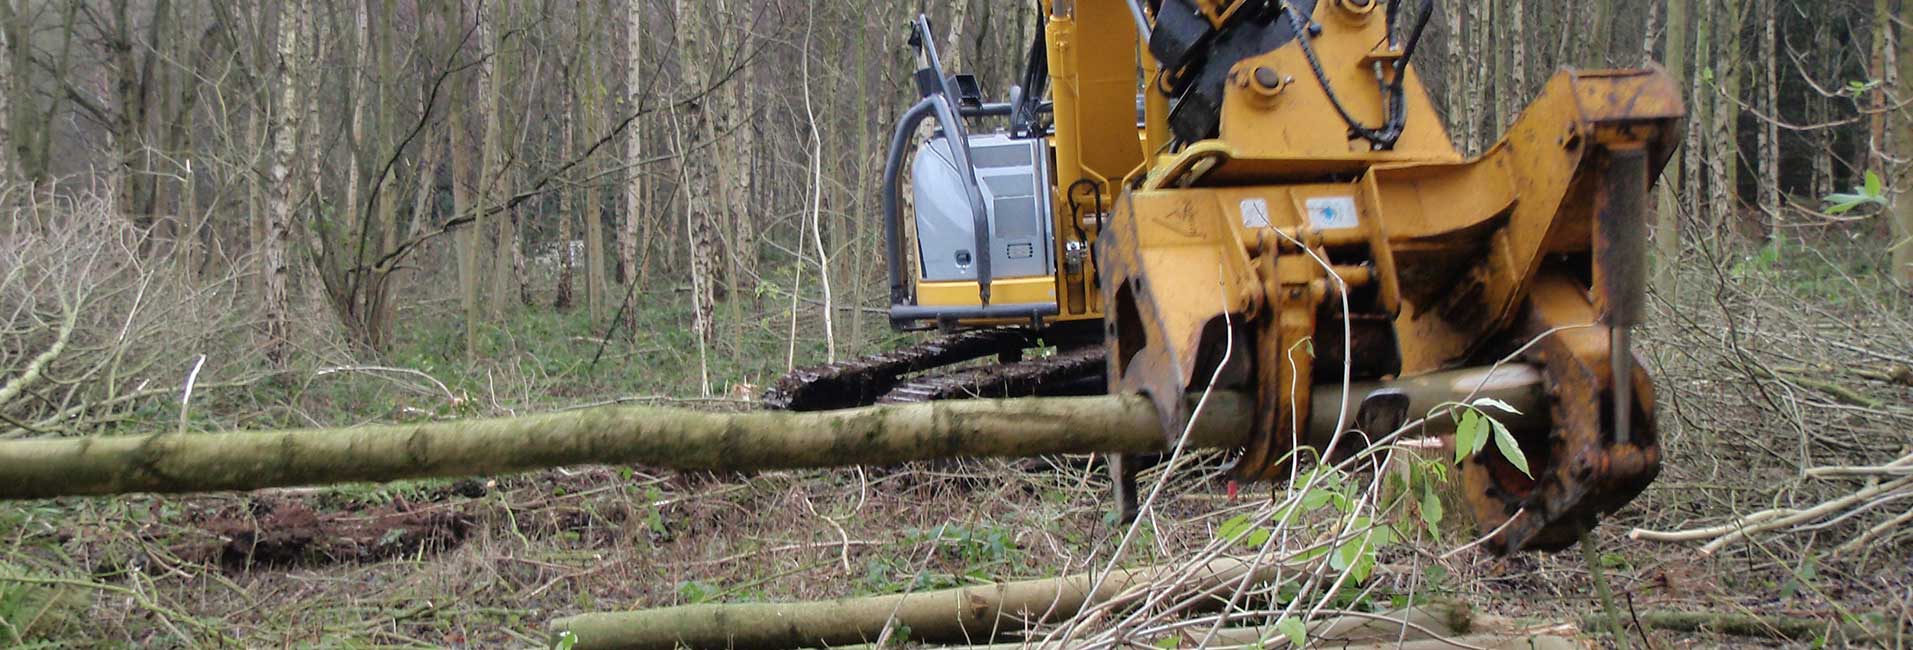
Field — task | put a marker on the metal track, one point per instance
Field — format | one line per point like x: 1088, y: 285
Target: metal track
x: 859, y: 382
x: 1068, y: 371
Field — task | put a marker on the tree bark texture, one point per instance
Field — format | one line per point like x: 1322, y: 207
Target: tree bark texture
x: 633, y: 143
x: 964, y: 615
x: 1902, y: 256
x: 1877, y: 59
x: 1724, y: 160
x: 1667, y: 232
x: 1699, y: 108
x: 660, y: 437
x: 277, y: 234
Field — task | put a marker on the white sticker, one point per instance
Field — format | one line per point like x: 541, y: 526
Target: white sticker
x: 1255, y: 213
x: 1330, y: 212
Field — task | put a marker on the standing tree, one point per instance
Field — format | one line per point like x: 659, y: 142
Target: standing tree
x: 633, y: 143
x: 285, y: 125
x: 1667, y: 234
x: 1903, y: 207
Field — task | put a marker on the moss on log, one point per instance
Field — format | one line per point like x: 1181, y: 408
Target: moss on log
x: 659, y: 437
x: 965, y: 615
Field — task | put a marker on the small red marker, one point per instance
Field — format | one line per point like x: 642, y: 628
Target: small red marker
x: 1233, y: 486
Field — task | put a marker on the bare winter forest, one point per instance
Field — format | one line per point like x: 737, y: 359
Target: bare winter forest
x: 221, y: 216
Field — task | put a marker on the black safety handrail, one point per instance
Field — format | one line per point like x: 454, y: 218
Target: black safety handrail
x: 939, y: 101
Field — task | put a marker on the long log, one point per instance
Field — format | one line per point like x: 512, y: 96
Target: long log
x: 678, y: 439
x: 658, y: 437
x: 961, y: 615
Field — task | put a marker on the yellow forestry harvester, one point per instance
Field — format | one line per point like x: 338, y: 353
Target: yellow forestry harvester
x: 1259, y: 196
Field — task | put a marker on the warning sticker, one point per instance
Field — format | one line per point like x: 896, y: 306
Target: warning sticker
x: 1330, y: 212
x: 1255, y: 213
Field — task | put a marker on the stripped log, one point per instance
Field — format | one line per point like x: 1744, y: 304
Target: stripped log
x: 657, y: 437
x: 964, y: 615
x: 677, y: 439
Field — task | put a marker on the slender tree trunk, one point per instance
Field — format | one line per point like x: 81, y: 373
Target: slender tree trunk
x: 865, y: 170
x: 587, y: 117
x: 1601, y: 43
x: 699, y: 231
x: 16, y: 90
x: 1479, y: 78
x: 561, y: 295
x: 953, y: 41
x: 1771, y: 201
x: 471, y: 236
x: 495, y: 74
x: 1902, y: 239
x: 1518, y: 55
x: 1825, y: 143
x: 1498, y: 59
x: 286, y: 124
x: 1667, y: 234
x: 633, y: 143
x: 1456, y: 93
x: 356, y: 144
x: 1724, y: 163
x: 696, y: 188
x: 7, y: 86
x: 1877, y: 116
x: 1699, y: 108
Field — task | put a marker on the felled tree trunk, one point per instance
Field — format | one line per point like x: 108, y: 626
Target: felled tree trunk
x: 964, y: 615
x: 659, y: 437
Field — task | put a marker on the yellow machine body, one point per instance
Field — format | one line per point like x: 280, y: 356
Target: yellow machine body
x: 1286, y: 252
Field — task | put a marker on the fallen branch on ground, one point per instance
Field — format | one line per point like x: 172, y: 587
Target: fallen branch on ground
x: 1784, y: 627
x: 659, y: 437
x: 1836, y: 391
x: 1775, y: 518
x: 964, y: 615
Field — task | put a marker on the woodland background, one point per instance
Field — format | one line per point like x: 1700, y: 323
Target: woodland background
x: 230, y: 215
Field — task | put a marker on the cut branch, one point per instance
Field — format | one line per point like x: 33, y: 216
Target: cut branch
x: 964, y: 615
x: 661, y: 437
x: 37, y: 367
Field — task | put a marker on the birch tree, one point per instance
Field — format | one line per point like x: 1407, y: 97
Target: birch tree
x: 286, y: 118
x: 694, y: 122
x: 633, y: 142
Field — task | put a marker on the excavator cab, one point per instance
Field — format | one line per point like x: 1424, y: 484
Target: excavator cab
x: 978, y: 249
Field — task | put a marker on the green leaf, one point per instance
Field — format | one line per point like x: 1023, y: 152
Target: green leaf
x: 1316, y: 498
x: 1466, y: 431
x: 1431, y: 510
x: 1510, y: 449
x: 566, y: 640
x: 1293, y: 628
x: 1240, y: 530
x: 1874, y: 188
x: 1168, y: 643
x: 1235, y: 527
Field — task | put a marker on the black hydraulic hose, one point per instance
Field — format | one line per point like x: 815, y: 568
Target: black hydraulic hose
x: 1396, y: 118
